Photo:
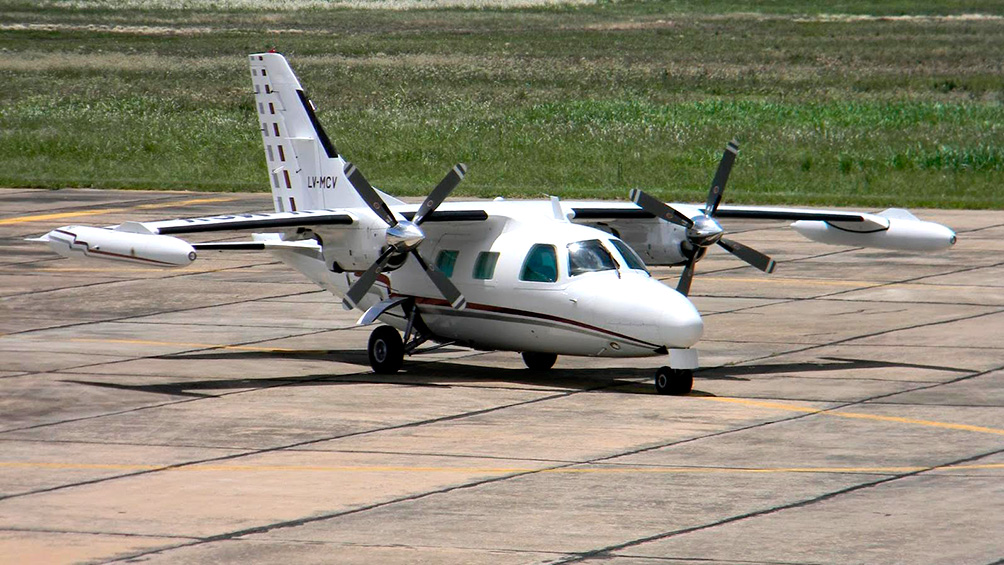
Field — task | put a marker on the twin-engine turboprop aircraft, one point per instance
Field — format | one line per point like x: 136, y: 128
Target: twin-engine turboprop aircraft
x: 543, y: 278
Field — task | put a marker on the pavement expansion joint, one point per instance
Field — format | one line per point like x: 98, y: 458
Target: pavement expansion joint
x: 607, y: 551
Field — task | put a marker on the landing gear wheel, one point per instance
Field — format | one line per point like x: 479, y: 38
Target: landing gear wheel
x: 539, y: 361
x: 676, y: 382
x: 386, y: 350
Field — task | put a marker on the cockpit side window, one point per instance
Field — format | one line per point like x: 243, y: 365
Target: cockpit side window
x: 631, y: 258
x: 589, y: 256
x: 541, y: 264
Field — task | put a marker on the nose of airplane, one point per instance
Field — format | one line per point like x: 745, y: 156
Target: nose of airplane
x: 680, y: 324
x: 640, y: 307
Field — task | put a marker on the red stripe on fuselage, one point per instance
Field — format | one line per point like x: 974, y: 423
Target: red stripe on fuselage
x: 528, y: 314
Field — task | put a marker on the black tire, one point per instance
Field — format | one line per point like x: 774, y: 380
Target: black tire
x: 676, y: 382
x: 386, y: 350
x: 539, y: 361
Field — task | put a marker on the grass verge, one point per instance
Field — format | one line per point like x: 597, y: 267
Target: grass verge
x: 832, y: 105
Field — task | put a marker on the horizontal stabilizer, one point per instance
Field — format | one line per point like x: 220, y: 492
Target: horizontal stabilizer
x: 308, y: 247
x: 230, y: 246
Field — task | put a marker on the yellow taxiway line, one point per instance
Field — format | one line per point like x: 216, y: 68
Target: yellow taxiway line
x: 792, y: 281
x: 854, y: 415
x: 184, y: 344
x: 82, y: 213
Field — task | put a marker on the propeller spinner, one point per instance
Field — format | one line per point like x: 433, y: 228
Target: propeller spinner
x: 403, y: 236
x: 703, y: 231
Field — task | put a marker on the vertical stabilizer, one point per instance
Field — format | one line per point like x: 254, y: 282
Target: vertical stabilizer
x: 305, y: 170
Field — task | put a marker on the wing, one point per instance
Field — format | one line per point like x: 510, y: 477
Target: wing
x: 602, y: 211
x: 244, y: 222
x: 154, y: 243
x: 894, y: 229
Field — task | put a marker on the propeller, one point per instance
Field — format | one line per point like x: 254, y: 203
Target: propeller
x: 403, y: 236
x: 703, y: 230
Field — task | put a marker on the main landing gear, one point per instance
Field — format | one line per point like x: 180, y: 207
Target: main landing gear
x: 676, y: 382
x: 387, y: 348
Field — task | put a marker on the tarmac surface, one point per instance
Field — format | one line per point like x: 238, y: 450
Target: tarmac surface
x: 850, y: 410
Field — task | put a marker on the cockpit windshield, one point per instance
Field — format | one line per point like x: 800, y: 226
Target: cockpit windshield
x: 630, y: 257
x: 589, y: 256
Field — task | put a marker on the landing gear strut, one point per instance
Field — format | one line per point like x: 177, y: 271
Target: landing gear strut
x: 676, y: 382
x: 386, y: 347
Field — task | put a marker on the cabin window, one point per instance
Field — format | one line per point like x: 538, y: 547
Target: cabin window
x: 631, y: 258
x: 541, y: 264
x: 484, y: 265
x: 446, y: 260
x: 588, y: 257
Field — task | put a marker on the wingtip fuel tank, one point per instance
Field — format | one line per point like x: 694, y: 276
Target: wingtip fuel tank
x: 77, y: 242
x: 887, y: 231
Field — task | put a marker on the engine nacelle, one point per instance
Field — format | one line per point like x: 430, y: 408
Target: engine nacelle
x: 655, y: 241
x: 139, y: 248
x: 892, y: 229
x: 352, y: 249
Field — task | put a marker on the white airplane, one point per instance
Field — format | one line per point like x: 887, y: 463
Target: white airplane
x: 543, y: 278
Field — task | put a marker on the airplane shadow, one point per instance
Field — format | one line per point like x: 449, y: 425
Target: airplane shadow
x: 445, y: 374
x: 834, y: 364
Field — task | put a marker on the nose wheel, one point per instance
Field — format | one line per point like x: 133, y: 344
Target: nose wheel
x: 676, y: 382
x: 539, y: 361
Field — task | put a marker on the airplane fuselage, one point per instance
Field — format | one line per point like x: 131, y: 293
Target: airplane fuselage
x: 610, y: 306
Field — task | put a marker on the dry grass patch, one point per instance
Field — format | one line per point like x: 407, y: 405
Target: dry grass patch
x: 293, y: 5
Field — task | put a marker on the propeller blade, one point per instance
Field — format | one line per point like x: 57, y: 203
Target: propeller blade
x: 683, y: 287
x: 442, y: 190
x: 363, y: 284
x: 721, y: 177
x: 748, y: 254
x: 365, y: 191
x: 449, y: 291
x: 660, y: 209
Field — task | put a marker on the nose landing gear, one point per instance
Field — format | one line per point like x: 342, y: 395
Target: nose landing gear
x: 539, y: 361
x: 676, y: 382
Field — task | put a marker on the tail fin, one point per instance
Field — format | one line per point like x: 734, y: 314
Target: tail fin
x: 305, y: 170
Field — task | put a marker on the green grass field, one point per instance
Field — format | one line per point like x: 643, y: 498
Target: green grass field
x: 833, y: 103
